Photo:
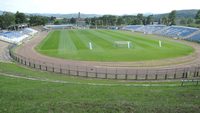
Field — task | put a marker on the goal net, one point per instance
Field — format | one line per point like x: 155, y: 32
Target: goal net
x: 122, y: 44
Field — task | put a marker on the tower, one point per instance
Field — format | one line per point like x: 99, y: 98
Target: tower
x: 79, y: 15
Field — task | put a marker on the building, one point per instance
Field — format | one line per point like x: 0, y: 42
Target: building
x: 80, y: 21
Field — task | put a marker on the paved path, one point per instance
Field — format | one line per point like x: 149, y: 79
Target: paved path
x: 4, y: 52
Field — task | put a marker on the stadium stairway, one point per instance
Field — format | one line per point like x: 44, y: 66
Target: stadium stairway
x: 4, y: 52
x: 6, y: 55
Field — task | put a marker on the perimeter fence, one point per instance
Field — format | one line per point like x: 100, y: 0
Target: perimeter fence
x: 107, y: 72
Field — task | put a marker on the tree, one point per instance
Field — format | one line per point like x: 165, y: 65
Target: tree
x: 144, y: 21
x: 165, y: 20
x: 38, y: 20
x: 112, y: 20
x: 119, y: 21
x: 190, y: 21
x: 160, y: 21
x: 183, y: 21
x: 65, y: 21
x: 197, y: 17
x: 149, y: 19
x: 93, y: 21
x: 7, y: 19
x: 52, y: 19
x: 139, y: 19
x: 1, y: 22
x: 172, y: 18
x: 104, y: 20
x: 72, y: 20
x: 87, y: 21
x: 20, y: 18
x: 56, y: 22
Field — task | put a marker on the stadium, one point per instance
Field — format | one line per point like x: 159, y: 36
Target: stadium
x: 155, y: 62
x: 99, y: 64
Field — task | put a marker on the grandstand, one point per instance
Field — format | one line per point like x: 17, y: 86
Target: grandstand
x: 168, y: 31
x: 188, y: 33
x: 151, y: 29
x: 132, y: 27
x: 67, y: 26
x: 17, y: 36
x: 178, y: 31
x: 195, y: 37
x: 29, y: 31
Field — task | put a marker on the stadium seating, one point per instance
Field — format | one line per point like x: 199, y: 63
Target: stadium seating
x: 132, y: 27
x: 151, y: 29
x: 169, y: 31
x: 17, y: 36
x: 29, y: 31
x: 195, y: 38
x: 178, y: 31
x: 11, y: 35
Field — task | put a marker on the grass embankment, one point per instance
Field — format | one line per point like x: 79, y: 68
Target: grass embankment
x: 19, y: 95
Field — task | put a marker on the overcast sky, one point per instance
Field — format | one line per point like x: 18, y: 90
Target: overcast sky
x: 117, y: 7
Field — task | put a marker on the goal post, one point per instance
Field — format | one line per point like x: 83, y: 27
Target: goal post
x: 160, y: 43
x: 90, y: 45
x: 122, y: 44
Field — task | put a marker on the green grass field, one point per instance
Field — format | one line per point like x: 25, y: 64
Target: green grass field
x: 74, y: 44
x: 18, y: 95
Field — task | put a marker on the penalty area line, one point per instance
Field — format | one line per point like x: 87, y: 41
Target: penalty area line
x: 92, y: 84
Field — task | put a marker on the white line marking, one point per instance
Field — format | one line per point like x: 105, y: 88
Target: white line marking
x: 93, y: 84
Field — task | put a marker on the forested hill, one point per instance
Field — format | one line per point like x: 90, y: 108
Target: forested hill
x: 74, y: 15
x: 1, y: 12
x: 180, y: 14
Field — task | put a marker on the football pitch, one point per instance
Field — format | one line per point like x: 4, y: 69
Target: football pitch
x: 100, y: 45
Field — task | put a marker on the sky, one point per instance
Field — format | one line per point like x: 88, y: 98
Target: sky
x: 115, y: 7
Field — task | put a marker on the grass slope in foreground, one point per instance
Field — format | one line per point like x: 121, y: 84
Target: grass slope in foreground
x: 19, y: 95
x: 74, y: 44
